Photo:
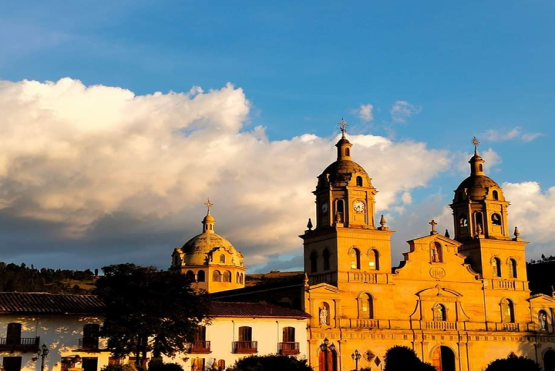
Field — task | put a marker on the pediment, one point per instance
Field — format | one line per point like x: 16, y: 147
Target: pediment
x: 436, y: 237
x: 541, y: 298
x: 324, y: 288
x: 438, y: 291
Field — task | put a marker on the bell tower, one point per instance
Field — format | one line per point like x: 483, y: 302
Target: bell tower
x: 481, y: 224
x: 346, y: 245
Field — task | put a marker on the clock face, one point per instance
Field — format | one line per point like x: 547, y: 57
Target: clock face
x: 325, y: 208
x: 358, y: 206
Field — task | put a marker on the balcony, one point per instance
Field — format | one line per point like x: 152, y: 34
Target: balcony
x: 245, y: 347
x: 441, y: 325
x: 89, y: 344
x: 20, y: 344
x: 198, y: 347
x: 288, y: 348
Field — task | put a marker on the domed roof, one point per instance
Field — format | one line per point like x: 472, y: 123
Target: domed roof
x: 476, y: 186
x: 198, y: 249
x: 342, y: 170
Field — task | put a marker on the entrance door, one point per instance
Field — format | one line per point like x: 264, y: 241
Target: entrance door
x: 443, y: 359
x: 12, y: 363
x: 90, y: 363
x: 549, y: 361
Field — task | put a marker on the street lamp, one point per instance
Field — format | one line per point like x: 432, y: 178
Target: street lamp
x: 324, y: 349
x: 356, y: 357
x: 43, y: 353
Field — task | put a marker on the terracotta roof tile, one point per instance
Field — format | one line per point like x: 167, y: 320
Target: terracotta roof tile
x: 40, y: 302
x: 259, y: 310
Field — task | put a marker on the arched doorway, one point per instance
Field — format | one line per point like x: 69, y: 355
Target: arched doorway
x: 443, y: 359
x: 549, y: 360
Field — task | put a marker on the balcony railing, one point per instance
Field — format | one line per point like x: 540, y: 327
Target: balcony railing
x: 288, y: 348
x: 245, y: 347
x: 88, y: 344
x: 198, y: 347
x: 20, y: 344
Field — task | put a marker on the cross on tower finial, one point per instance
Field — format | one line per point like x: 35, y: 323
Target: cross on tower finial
x: 433, y: 224
x: 476, y: 142
x: 208, y: 205
x: 343, y: 126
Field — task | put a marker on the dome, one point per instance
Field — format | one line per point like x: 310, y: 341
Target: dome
x: 476, y: 186
x: 198, y: 250
x: 343, y: 170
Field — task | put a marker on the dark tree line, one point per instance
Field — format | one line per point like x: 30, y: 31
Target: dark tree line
x: 22, y: 278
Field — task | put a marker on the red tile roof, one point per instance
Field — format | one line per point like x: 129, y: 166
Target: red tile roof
x: 41, y: 302
x: 253, y: 310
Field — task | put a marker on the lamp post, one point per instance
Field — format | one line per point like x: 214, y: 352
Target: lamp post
x: 356, y: 357
x: 43, y: 353
x: 324, y: 349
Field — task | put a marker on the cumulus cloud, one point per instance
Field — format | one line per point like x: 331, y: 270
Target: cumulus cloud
x: 402, y: 110
x: 515, y: 133
x: 110, y: 176
x: 365, y: 112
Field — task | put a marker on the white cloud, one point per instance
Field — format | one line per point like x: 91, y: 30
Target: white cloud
x: 365, y: 112
x: 87, y: 158
x: 402, y: 110
x: 511, y: 134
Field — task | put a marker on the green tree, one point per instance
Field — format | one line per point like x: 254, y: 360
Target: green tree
x: 513, y: 363
x: 148, y: 310
x: 270, y: 363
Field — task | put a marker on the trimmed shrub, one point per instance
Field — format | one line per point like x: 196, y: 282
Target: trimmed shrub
x: 513, y: 363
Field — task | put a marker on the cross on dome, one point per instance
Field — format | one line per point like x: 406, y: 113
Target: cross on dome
x: 208, y: 205
x: 433, y: 224
x: 343, y: 126
x: 476, y: 142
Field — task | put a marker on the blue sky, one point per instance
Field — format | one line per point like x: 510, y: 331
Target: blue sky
x: 464, y: 69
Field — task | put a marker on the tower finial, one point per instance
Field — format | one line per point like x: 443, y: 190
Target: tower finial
x: 343, y: 126
x: 433, y: 224
x: 476, y: 142
x: 208, y: 205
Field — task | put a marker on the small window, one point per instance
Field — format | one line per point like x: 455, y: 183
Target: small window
x: 440, y: 313
x: 227, y: 276
x: 507, y: 311
x: 495, y: 195
x: 359, y: 181
x: 201, y: 276
x: 495, y: 219
x: 200, y: 334
x: 190, y: 276
x: 217, y: 276
x: 463, y: 221
x: 496, y: 266
x: 481, y: 168
x: 365, y: 306
x: 542, y: 320
x: 374, y: 259
x: 222, y: 259
x: 326, y: 255
x: 355, y: 258
x: 339, y: 212
x: 511, y: 266
x: 288, y: 334
x: 13, y: 336
x: 347, y: 152
x: 479, y: 223
x: 313, y: 262
x: 245, y: 333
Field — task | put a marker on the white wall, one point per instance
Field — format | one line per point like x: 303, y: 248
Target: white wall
x: 61, y: 334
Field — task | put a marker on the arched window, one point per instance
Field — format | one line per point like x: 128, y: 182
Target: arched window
x: 481, y: 167
x: 190, y: 275
x: 227, y: 276
x: 238, y: 278
x: 217, y: 276
x: 374, y: 259
x: 495, y: 195
x: 463, y: 221
x: 479, y: 223
x: 496, y: 266
x: 440, y: 314
x: 365, y: 306
x: 222, y: 259
x: 436, y: 253
x: 313, y: 262
x: 242, y: 278
x: 511, y: 266
x: 340, y: 205
x: 507, y: 311
x: 347, y: 152
x: 201, y: 277
x: 359, y: 181
x: 495, y: 219
x: 542, y: 320
x: 355, y: 258
x: 221, y: 365
x: 326, y: 255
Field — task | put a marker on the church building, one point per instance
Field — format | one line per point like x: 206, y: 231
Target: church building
x: 459, y: 302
